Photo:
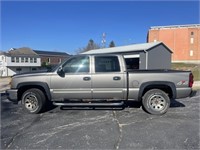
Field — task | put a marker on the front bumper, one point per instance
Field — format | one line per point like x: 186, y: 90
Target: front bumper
x: 12, y: 95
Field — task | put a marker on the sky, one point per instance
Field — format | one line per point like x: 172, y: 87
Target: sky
x: 67, y: 26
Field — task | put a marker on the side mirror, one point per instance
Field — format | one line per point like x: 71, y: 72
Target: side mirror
x: 60, y: 71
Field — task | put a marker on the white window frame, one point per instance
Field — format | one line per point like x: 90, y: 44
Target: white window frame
x: 26, y: 59
x: 31, y: 60
x: 35, y: 60
x: 22, y: 59
x: 17, y: 59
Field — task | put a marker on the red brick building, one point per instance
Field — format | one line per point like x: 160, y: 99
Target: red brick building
x: 51, y: 58
x: 183, y: 40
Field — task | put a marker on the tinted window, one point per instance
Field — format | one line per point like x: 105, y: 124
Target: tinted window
x: 107, y: 64
x: 77, y: 64
x: 132, y: 63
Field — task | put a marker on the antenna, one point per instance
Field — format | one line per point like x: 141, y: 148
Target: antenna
x: 103, y: 40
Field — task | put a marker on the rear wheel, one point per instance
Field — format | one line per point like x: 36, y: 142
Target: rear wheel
x: 33, y: 100
x: 156, y: 102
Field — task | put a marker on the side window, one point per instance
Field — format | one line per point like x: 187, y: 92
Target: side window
x: 77, y: 65
x: 107, y: 64
x: 132, y: 63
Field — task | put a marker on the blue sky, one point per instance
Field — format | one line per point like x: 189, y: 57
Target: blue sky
x: 67, y: 26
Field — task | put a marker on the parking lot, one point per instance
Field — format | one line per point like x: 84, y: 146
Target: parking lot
x: 110, y: 128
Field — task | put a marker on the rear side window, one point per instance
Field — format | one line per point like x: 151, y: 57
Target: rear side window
x: 107, y: 64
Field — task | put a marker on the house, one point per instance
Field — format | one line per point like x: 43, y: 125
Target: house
x: 155, y: 55
x: 18, y: 61
x: 51, y: 58
x: 27, y: 60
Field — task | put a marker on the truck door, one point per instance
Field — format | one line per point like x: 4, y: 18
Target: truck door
x: 75, y: 82
x: 108, y: 80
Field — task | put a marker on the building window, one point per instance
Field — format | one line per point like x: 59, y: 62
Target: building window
x: 192, y: 40
x: 12, y: 59
x: 191, y: 53
x: 48, y: 60
x: 31, y: 60
x: 59, y: 60
x: 35, y: 60
x: 17, y: 59
x: 22, y: 59
x: 192, y: 33
x: 26, y: 59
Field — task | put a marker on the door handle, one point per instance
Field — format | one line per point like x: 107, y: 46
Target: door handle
x: 116, y: 78
x: 86, y: 78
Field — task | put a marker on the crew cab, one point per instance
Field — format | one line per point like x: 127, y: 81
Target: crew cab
x: 101, y: 80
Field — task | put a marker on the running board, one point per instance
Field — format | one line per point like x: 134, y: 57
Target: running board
x: 109, y: 104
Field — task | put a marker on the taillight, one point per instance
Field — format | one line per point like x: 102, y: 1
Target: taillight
x: 191, y: 80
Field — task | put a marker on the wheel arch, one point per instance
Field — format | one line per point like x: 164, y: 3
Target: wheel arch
x: 22, y: 87
x: 165, y: 86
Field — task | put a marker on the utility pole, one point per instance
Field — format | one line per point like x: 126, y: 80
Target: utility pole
x: 103, y: 40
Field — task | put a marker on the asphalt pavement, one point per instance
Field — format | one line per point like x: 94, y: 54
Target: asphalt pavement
x: 105, y: 128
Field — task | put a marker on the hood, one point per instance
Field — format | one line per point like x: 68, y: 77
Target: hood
x: 36, y: 73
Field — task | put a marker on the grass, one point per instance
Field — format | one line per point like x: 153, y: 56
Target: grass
x: 195, y: 68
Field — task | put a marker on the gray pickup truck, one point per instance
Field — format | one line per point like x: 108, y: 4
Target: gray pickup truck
x: 99, y: 80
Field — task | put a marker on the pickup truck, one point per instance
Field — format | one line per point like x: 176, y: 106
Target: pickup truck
x: 101, y: 80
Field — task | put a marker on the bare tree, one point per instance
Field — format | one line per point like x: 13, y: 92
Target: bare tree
x: 90, y: 46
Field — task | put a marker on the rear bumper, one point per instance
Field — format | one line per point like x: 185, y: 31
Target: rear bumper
x: 183, y: 92
x: 12, y: 95
x: 193, y: 93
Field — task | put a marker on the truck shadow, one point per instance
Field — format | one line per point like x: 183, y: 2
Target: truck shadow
x: 174, y: 103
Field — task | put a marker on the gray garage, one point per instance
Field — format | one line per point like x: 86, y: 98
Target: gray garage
x: 154, y: 55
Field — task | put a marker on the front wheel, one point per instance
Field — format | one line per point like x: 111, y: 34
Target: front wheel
x: 156, y: 102
x: 33, y: 100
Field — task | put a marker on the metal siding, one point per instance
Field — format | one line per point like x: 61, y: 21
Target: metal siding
x: 142, y: 60
x: 159, y: 58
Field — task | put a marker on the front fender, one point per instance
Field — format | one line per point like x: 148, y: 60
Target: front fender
x: 34, y: 84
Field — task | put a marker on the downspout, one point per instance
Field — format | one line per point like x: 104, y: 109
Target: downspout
x: 146, y: 52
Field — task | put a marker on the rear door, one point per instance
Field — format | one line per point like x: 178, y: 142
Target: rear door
x: 108, y: 80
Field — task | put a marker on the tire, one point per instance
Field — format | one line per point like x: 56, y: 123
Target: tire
x: 33, y: 101
x: 156, y: 102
